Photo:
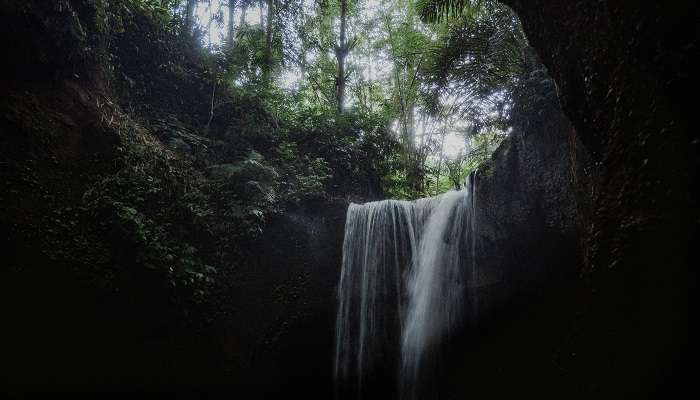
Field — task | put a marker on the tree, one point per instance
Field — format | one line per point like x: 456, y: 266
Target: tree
x: 341, y: 52
x: 190, y: 7
x: 231, y: 25
x: 422, y: 66
x: 268, y: 62
x: 477, y: 56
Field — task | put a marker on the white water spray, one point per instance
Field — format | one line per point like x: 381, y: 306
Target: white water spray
x: 406, y: 267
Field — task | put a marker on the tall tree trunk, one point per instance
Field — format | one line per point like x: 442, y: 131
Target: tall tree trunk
x: 302, y: 61
x: 440, y: 158
x: 411, y: 123
x: 262, y: 15
x: 241, y: 21
x: 410, y: 91
x: 341, y: 51
x: 267, y: 71
x: 231, y: 25
x: 211, y: 15
x: 189, y: 15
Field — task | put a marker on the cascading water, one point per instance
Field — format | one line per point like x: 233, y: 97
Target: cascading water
x: 407, y: 271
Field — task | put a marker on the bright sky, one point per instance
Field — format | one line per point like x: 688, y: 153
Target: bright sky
x: 218, y: 33
x: 454, y: 144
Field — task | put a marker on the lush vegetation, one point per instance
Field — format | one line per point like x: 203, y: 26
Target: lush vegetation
x: 406, y: 86
x: 221, y: 115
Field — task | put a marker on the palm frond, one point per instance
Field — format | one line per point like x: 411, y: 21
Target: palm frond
x: 437, y: 10
x: 478, y: 58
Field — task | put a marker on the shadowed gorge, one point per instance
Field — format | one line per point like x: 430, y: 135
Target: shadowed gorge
x: 348, y: 199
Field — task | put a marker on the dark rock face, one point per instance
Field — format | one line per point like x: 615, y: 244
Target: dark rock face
x: 623, y: 69
x: 278, y: 337
x: 532, y: 200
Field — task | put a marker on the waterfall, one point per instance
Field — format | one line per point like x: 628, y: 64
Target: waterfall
x: 407, y: 274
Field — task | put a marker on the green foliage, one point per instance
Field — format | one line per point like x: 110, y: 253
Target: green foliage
x: 303, y: 175
x: 153, y: 214
x: 244, y: 193
x: 436, y: 10
x: 354, y: 152
x: 160, y: 9
x: 479, y: 57
x: 211, y: 146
